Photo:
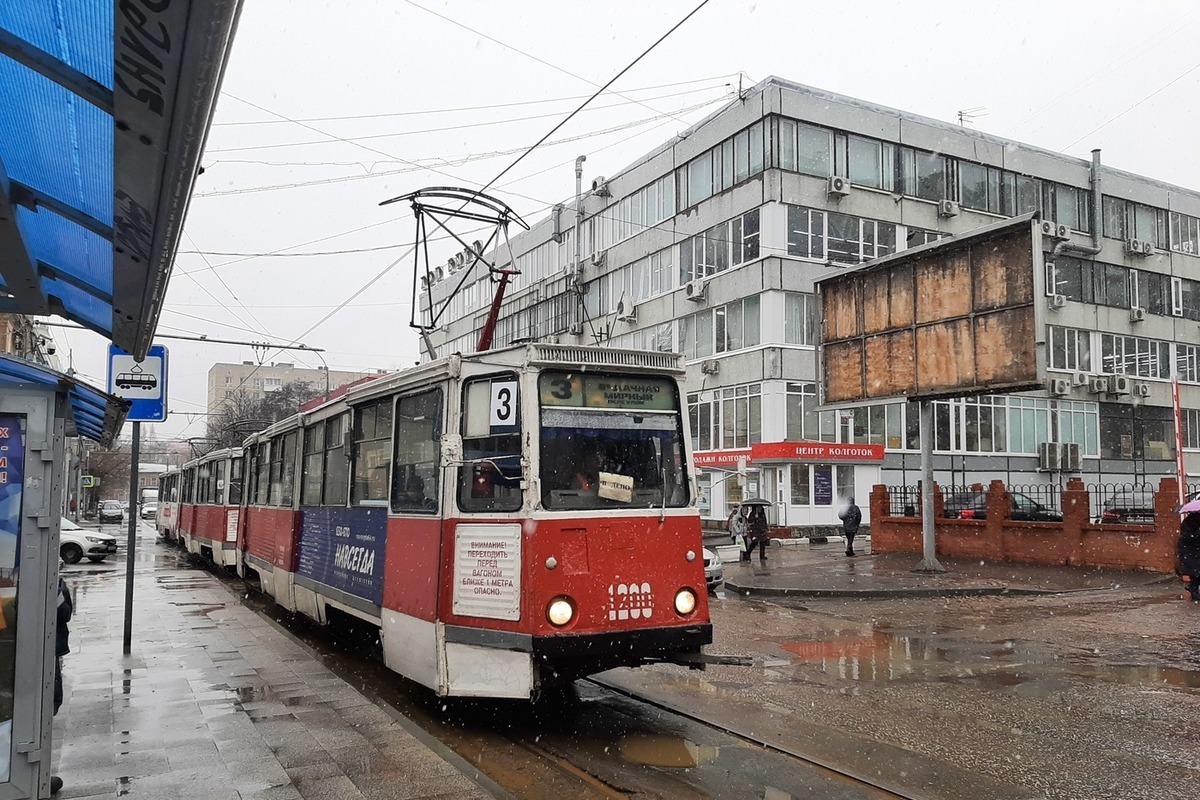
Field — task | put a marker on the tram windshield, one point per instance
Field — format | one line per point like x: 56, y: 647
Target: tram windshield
x: 597, y: 454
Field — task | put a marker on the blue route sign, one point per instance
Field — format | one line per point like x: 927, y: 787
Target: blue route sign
x: 144, y: 383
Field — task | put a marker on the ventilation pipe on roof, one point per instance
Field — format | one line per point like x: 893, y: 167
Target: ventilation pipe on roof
x: 576, y: 284
x: 1097, y: 218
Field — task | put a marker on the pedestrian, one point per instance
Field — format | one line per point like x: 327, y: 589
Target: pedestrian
x: 1189, y: 553
x: 851, y: 517
x: 62, y: 646
x: 756, y: 532
x: 736, y: 525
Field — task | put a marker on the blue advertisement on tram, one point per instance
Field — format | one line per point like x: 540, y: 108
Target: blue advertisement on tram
x: 344, y: 548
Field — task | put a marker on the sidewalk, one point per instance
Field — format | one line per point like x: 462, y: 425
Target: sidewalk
x: 823, y: 570
x: 215, y: 702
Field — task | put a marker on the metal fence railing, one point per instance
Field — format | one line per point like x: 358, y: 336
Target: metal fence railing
x: 1129, y: 503
x: 904, y: 501
x: 1047, y: 495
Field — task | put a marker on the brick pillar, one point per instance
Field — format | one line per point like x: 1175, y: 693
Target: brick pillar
x: 1162, y: 554
x: 999, y: 509
x: 939, y: 502
x: 880, y: 502
x: 1076, y: 512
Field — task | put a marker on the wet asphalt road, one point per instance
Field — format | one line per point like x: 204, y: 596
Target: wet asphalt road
x: 1088, y: 695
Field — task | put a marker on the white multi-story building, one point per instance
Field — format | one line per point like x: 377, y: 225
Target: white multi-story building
x: 255, y: 381
x: 710, y: 246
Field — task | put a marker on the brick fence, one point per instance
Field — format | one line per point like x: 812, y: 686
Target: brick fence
x: 1076, y: 541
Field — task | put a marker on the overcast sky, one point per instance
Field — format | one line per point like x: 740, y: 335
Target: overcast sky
x: 329, y: 108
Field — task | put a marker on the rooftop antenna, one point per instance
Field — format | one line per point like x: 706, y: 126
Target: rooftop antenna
x: 969, y: 115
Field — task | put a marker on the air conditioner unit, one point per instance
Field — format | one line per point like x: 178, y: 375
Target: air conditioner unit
x: 1137, y: 314
x: 696, y: 291
x: 600, y: 187
x: 1070, y: 457
x: 1134, y: 247
x: 1056, y: 301
x: 947, y: 208
x: 839, y: 186
x: 626, y: 310
x: 1098, y: 384
x: 598, y: 259
x: 576, y: 329
x: 1141, y: 390
x: 1080, y: 379
x: 710, y: 366
x: 1120, y: 384
x: 1060, y: 386
x: 1053, y: 230
x: 1148, y: 248
x: 1049, y: 456
x: 552, y: 339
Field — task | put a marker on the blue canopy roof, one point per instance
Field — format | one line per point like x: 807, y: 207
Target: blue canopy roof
x: 94, y: 414
x: 104, y: 108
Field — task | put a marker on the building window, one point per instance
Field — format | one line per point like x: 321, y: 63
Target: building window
x: 1070, y: 348
x: 726, y: 418
x: 1067, y: 205
x: 1191, y: 429
x: 1185, y: 233
x: 920, y: 174
x: 868, y: 162
x: 1131, y: 355
x: 801, y: 412
x: 722, y: 246
x: 733, y: 326
x: 1028, y: 424
x: 1078, y: 422
x: 806, y: 232
x: 804, y: 148
x: 799, y: 318
x: 729, y: 163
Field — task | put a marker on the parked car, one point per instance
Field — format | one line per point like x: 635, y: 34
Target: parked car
x: 149, y: 510
x: 973, y: 505
x: 74, y: 543
x: 111, y: 511
x: 714, y: 570
x: 1128, y: 507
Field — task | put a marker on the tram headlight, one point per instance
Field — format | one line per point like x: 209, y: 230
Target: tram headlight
x: 685, y: 602
x: 560, y: 611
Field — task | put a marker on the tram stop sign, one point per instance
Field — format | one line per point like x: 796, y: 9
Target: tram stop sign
x: 143, y: 383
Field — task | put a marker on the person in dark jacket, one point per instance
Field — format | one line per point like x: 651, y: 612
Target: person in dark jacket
x: 62, y: 646
x: 851, y: 518
x: 1189, y: 553
x: 756, y: 532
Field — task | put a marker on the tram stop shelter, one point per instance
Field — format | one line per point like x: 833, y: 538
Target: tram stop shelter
x: 104, y: 109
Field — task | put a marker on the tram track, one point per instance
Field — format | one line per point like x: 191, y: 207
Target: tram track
x: 600, y: 741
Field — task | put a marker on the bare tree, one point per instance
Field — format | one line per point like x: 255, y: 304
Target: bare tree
x: 241, y: 414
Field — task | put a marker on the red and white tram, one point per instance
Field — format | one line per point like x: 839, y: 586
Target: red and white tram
x: 166, y: 517
x: 510, y: 519
x: 210, y: 505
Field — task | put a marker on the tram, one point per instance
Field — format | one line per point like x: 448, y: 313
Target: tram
x: 166, y: 517
x: 210, y: 505
x: 510, y: 520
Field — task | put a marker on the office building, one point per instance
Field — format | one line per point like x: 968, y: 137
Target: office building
x: 710, y: 246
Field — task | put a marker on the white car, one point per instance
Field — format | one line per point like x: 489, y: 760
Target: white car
x: 714, y: 570
x: 76, y: 543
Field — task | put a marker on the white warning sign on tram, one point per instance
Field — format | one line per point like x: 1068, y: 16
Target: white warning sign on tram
x: 487, y: 571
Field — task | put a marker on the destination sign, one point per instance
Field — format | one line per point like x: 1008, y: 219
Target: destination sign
x: 588, y: 390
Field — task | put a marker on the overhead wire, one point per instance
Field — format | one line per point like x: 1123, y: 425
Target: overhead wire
x: 461, y: 109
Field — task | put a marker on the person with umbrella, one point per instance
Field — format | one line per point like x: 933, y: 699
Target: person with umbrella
x: 1189, y: 547
x: 755, y: 513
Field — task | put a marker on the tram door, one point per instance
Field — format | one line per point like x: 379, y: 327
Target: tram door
x: 31, y: 456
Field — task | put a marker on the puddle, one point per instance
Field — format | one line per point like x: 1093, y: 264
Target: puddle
x: 880, y: 655
x: 664, y: 751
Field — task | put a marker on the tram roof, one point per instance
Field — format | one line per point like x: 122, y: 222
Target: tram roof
x: 93, y: 414
x: 104, y: 110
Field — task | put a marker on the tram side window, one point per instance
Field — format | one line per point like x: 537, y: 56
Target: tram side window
x: 188, y: 476
x: 219, y: 485
x: 490, y: 478
x: 204, y: 484
x: 372, y: 451
x: 283, y: 469
x: 314, y: 454
x: 235, y: 482
x: 262, y: 467
x: 417, y: 471
x: 337, y: 466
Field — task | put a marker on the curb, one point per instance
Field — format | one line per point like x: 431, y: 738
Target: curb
x: 948, y: 591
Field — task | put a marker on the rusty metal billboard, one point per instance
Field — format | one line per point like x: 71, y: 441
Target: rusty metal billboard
x: 947, y: 319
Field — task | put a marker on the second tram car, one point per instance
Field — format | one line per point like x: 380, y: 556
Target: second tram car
x: 210, y: 505
x: 166, y: 517
x: 510, y: 520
